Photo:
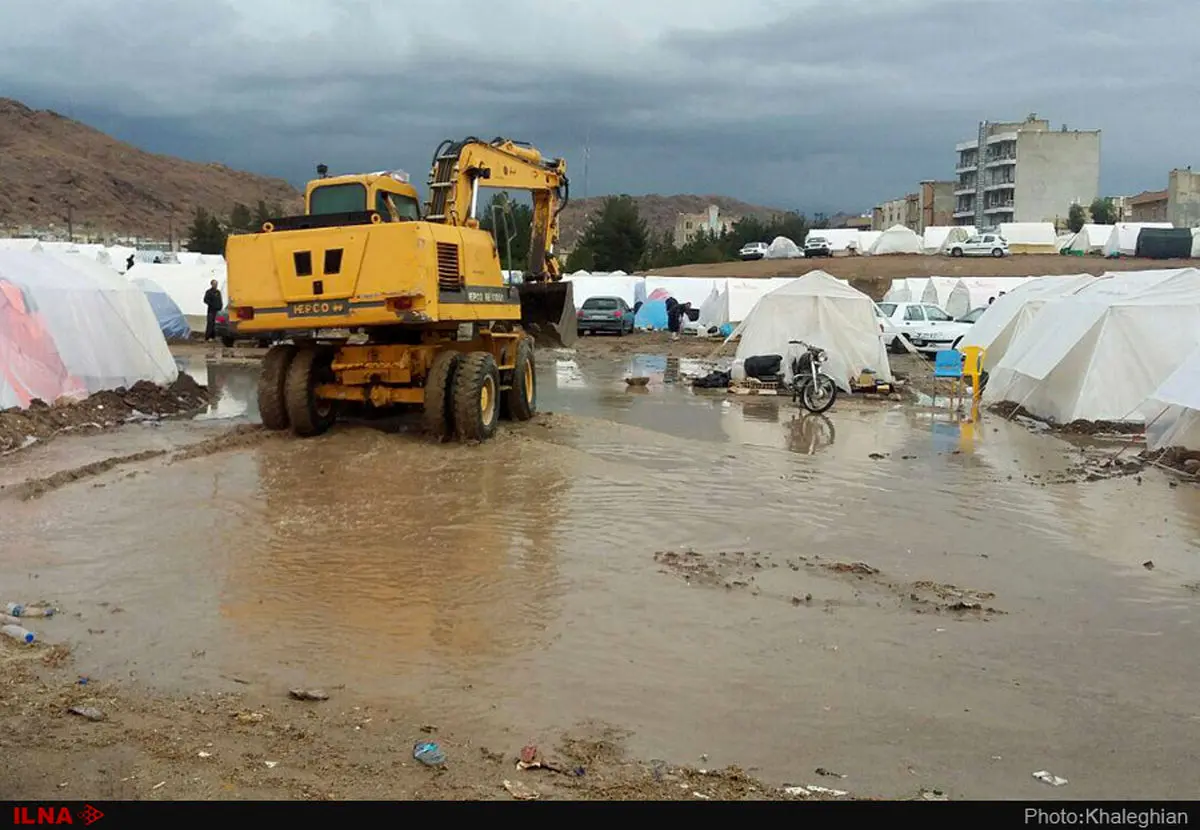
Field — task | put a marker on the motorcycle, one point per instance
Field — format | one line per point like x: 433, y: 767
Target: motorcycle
x: 811, y: 387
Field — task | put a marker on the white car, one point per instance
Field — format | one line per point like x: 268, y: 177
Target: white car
x: 753, y: 250
x: 984, y: 244
x: 924, y: 325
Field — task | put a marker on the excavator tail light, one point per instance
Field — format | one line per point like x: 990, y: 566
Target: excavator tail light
x: 244, y: 312
x: 396, y: 304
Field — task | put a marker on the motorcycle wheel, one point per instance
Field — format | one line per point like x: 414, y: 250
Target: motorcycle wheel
x: 818, y: 396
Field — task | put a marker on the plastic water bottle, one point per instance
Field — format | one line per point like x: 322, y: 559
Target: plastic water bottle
x: 17, y: 633
x: 16, y: 609
x: 8, y: 619
x: 429, y: 754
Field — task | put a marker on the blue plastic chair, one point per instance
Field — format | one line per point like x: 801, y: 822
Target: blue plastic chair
x: 948, y: 364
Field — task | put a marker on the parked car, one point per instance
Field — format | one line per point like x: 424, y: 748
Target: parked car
x: 985, y: 244
x: 927, y: 327
x: 753, y: 250
x: 228, y: 337
x: 887, y: 331
x: 610, y: 314
x: 817, y: 246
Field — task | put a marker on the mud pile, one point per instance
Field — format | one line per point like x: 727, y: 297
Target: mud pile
x: 1012, y: 409
x: 19, y: 427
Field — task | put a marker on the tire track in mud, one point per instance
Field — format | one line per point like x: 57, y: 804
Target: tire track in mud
x: 239, y: 437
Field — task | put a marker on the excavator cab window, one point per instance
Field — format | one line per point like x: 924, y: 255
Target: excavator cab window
x: 396, y: 208
x: 337, y: 198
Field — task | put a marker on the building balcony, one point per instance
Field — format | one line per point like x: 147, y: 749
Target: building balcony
x: 964, y: 190
x: 999, y: 186
x: 967, y: 168
x: 966, y: 145
x: 1002, y: 207
x: 1000, y: 138
x: 1000, y: 161
x: 964, y: 214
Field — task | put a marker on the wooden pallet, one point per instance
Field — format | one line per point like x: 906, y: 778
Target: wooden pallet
x: 750, y: 386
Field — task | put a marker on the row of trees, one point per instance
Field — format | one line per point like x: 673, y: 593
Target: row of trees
x: 1102, y: 211
x: 208, y: 232
x: 617, y: 239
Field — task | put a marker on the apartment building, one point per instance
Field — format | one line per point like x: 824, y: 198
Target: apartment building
x: 688, y: 225
x: 1024, y: 172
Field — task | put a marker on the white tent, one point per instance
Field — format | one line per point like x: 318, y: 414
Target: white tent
x: 185, y: 285
x: 936, y: 291
x: 70, y: 327
x: 1123, y: 239
x: 866, y: 239
x: 1173, y: 411
x: 1011, y: 314
x: 907, y: 290
x: 1091, y: 239
x: 839, y: 239
x: 822, y: 310
x: 733, y: 299
x: 586, y: 286
x: 939, y: 238
x: 1029, y: 237
x: 971, y: 293
x: 20, y: 244
x: 694, y: 290
x: 1098, y: 353
x: 783, y: 248
x: 1063, y: 241
x: 897, y: 240
x: 1195, y: 243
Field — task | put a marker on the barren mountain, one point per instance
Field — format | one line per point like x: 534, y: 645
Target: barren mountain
x: 659, y: 212
x: 48, y: 162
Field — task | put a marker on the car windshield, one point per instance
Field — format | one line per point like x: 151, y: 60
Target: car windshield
x: 888, y: 309
x: 932, y: 312
x: 971, y: 316
x: 817, y: 240
x: 601, y: 304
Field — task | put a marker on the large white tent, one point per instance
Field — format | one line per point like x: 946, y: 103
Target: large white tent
x: 732, y: 300
x: 866, y: 239
x: 937, y: 291
x: 1098, y: 353
x: 783, y: 248
x: 897, y: 240
x: 1012, y: 313
x: 1091, y: 239
x: 1030, y: 237
x: 970, y: 293
x: 185, y: 285
x: 824, y: 311
x: 939, y: 238
x: 1172, y: 412
x: 906, y: 290
x: 587, y: 286
x: 1123, y: 239
x: 70, y: 327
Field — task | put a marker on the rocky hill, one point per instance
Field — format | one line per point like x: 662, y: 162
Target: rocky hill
x: 659, y: 212
x: 48, y: 162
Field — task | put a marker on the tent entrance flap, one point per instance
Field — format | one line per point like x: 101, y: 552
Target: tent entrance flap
x: 548, y: 312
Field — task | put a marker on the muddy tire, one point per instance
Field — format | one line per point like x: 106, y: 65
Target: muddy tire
x: 308, y: 416
x: 227, y: 342
x: 520, y: 401
x: 476, y: 397
x: 956, y: 252
x: 439, y: 395
x: 272, y: 402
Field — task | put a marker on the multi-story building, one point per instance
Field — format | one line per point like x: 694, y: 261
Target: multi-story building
x: 1148, y: 206
x: 1025, y: 172
x: 1179, y: 204
x: 932, y: 204
x: 689, y: 225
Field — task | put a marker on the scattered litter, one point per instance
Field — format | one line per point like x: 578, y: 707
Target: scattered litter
x: 853, y: 568
x: 531, y: 758
x: 529, y: 753
x: 271, y: 764
x: 701, y: 795
x: 519, y: 791
x: 1148, y: 564
x: 18, y: 633
x: 429, y: 754
x: 307, y: 694
x: 640, y: 381
x: 249, y: 717
x: 828, y: 773
x: 88, y: 712
x: 204, y: 754
x: 159, y: 785
x: 933, y: 795
x: 997, y: 757
x: 429, y: 728
x: 799, y: 792
x: 1049, y: 778
x: 83, y: 680
x: 815, y: 790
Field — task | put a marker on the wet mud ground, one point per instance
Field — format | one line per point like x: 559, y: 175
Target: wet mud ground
x: 643, y: 583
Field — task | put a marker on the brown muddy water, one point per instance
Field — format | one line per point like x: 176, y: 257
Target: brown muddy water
x: 1003, y: 625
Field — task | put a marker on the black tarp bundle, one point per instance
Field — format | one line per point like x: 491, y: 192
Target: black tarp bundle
x: 1164, y: 243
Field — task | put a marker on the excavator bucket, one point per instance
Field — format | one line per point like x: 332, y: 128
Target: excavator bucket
x: 548, y: 312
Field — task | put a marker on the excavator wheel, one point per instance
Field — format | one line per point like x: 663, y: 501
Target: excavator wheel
x: 520, y: 401
x: 272, y: 405
x: 439, y: 395
x: 309, y: 416
x: 476, y: 397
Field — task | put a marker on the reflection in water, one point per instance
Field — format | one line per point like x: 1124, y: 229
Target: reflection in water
x: 809, y: 433
x: 385, y: 552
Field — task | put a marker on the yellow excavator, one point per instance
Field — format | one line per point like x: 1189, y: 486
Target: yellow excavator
x: 381, y: 303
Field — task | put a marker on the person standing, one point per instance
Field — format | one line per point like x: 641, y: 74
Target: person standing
x: 214, y: 303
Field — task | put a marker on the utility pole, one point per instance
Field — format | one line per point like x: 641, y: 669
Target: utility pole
x: 587, y: 154
x: 70, y: 223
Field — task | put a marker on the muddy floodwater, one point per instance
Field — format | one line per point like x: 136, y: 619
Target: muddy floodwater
x: 905, y: 597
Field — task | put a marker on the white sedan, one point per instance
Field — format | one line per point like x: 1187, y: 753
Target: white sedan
x: 927, y: 327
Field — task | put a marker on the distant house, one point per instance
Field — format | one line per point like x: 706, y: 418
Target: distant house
x: 688, y: 225
x: 1148, y: 206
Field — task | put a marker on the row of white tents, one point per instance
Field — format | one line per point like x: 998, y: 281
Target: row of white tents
x: 1115, y: 240
x: 1122, y: 347
x: 954, y: 295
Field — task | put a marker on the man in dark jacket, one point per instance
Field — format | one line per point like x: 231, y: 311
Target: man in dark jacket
x: 674, y: 315
x: 214, y: 303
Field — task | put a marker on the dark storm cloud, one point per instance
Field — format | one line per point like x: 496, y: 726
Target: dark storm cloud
x: 813, y: 105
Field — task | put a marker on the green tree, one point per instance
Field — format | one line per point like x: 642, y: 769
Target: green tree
x: 1103, y: 211
x: 580, y: 259
x: 511, y: 224
x: 241, y: 220
x: 206, y: 236
x: 1076, y: 217
x: 617, y: 236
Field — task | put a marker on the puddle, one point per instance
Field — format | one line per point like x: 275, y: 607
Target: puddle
x: 516, y: 581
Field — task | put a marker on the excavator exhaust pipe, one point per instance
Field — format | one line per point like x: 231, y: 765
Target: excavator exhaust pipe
x: 548, y: 313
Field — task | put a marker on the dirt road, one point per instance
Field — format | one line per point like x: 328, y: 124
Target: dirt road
x: 873, y: 275
x: 916, y: 602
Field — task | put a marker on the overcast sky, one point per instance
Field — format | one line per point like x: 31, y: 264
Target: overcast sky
x: 816, y: 105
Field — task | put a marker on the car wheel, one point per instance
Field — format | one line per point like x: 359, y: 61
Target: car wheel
x: 997, y: 252
x: 956, y: 252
